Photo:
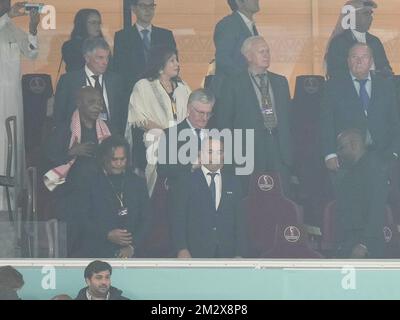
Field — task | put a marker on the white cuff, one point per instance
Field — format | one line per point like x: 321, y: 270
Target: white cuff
x: 330, y: 156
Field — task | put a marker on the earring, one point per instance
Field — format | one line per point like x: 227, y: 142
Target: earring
x: 161, y: 72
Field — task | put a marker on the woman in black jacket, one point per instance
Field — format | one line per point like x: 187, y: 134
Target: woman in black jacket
x: 87, y: 24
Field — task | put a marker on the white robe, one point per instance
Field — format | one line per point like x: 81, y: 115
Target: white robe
x: 13, y: 42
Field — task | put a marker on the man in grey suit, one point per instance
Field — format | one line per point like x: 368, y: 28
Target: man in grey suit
x: 258, y: 99
x: 229, y: 35
x: 94, y: 74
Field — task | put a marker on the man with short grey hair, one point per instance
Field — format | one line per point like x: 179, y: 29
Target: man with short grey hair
x: 199, y: 111
x: 96, y: 52
x: 259, y: 100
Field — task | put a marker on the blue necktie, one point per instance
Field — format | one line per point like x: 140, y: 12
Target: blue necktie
x: 364, y: 94
x: 212, y: 186
x: 146, y: 41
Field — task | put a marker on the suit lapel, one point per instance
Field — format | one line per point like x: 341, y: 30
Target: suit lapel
x: 205, y: 189
x: 109, y: 84
x: 154, y: 36
x: 243, y: 27
x: 253, y: 99
x: 276, y: 89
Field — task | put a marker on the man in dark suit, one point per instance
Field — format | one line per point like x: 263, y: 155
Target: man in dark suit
x: 94, y: 74
x: 363, y: 101
x: 207, y: 219
x: 132, y: 45
x: 229, y: 35
x: 200, y: 106
x: 259, y: 100
x: 340, y: 44
x: 362, y: 199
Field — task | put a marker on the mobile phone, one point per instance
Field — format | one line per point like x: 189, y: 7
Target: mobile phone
x: 32, y: 6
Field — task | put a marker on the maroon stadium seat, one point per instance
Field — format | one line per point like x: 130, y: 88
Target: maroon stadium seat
x: 390, y: 232
x: 158, y: 241
x: 265, y: 208
x: 291, y: 242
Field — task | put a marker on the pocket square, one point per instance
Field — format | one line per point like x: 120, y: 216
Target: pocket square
x: 229, y: 192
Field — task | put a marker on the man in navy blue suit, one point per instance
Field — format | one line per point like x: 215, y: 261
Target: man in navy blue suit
x: 131, y: 45
x: 229, y: 35
x: 207, y: 218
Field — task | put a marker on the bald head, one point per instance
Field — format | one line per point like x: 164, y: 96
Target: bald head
x: 89, y: 102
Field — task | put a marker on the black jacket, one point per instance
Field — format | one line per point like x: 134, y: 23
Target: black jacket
x: 201, y: 229
x: 115, y: 294
x: 65, y: 99
x: 129, y: 58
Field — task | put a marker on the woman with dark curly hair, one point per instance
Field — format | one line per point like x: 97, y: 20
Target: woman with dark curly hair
x: 158, y: 101
x: 87, y: 24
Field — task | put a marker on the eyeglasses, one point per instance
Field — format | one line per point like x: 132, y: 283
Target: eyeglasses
x: 203, y: 114
x: 143, y: 6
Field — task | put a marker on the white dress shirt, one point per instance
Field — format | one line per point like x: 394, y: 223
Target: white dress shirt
x: 140, y: 29
x: 91, y: 82
x: 218, y: 184
x: 249, y: 23
x: 368, y: 88
x: 202, y: 132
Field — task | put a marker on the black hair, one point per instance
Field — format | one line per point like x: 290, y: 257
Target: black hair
x: 80, y: 24
x: 11, y: 278
x: 96, y: 267
x: 107, y: 147
x: 158, y: 57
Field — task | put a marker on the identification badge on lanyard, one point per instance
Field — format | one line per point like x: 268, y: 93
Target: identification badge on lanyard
x: 123, y: 212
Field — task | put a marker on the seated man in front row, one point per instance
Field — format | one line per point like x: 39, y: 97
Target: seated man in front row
x: 361, y: 199
x: 207, y: 219
x: 113, y: 213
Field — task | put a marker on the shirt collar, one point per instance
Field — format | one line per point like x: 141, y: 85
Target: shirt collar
x: 140, y: 28
x: 245, y: 19
x: 206, y: 171
x: 89, y: 73
x: 360, y: 36
x: 367, y: 78
x: 89, y: 296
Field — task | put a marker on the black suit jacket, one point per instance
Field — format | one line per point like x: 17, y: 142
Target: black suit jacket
x: 168, y: 169
x: 129, y: 59
x: 98, y: 215
x: 198, y: 227
x: 229, y: 35
x: 342, y: 109
x: 239, y: 108
x: 339, y: 50
x: 65, y: 101
x: 361, y: 207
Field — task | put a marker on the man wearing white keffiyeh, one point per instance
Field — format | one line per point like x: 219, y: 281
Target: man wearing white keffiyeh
x: 13, y: 42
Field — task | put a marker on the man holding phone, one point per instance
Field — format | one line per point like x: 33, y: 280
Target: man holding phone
x: 14, y: 41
